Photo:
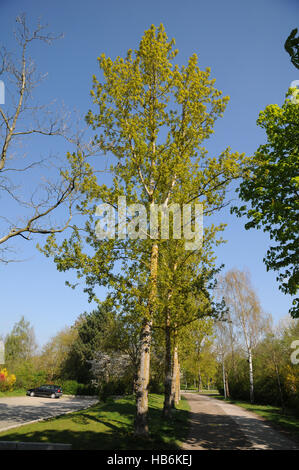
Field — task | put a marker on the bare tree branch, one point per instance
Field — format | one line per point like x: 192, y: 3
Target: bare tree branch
x: 32, y: 198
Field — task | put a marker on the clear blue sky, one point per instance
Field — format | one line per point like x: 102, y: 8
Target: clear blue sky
x: 242, y: 42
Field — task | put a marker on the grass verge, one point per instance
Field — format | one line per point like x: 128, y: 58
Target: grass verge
x: 109, y: 426
x: 13, y: 393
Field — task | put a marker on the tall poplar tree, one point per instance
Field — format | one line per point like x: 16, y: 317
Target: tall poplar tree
x: 151, y: 117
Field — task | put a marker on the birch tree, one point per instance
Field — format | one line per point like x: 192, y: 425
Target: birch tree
x: 245, y: 313
x: 222, y: 347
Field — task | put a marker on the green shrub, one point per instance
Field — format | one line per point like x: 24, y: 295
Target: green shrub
x: 115, y: 387
x: 27, y: 377
x: 156, y: 387
x: 72, y: 387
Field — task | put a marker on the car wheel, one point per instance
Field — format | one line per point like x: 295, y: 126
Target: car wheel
x: 53, y: 395
x: 32, y: 394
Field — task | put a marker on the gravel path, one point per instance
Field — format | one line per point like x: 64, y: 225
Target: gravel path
x: 16, y: 411
x: 216, y: 425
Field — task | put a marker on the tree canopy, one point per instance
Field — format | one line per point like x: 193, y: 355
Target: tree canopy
x: 292, y: 47
x: 271, y: 190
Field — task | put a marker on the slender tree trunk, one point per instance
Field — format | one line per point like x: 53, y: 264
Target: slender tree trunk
x: 279, y: 388
x: 224, y: 377
x: 199, y: 379
x: 177, y: 396
x: 176, y: 374
x: 168, y: 371
x: 251, y: 375
x: 279, y: 383
x: 141, y: 420
x: 168, y: 381
x: 226, y: 385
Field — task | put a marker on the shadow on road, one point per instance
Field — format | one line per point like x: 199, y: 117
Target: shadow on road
x: 216, y: 426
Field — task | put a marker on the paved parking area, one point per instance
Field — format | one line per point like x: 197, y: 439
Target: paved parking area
x: 16, y: 411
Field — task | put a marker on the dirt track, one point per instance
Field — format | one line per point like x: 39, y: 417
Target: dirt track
x: 217, y: 425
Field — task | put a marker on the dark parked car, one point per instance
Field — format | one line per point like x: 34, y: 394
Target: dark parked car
x: 53, y: 391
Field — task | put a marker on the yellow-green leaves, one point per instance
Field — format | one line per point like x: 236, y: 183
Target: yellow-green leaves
x: 153, y: 117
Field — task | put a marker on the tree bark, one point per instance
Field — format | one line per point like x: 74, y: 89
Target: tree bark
x: 141, y: 420
x: 226, y: 385
x: 168, y: 371
x: 175, y: 375
x: 177, y: 396
x: 199, y: 379
x: 251, y: 375
x: 224, y: 377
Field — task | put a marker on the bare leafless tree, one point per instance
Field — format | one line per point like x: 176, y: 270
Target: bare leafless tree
x: 33, y: 189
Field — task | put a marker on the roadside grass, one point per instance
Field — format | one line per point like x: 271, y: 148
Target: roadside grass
x: 283, y: 421
x: 109, y: 426
x: 13, y: 393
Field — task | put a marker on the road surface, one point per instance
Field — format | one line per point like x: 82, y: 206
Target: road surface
x: 217, y: 425
x: 16, y: 411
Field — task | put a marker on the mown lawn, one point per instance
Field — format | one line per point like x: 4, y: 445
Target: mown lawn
x: 14, y: 393
x: 108, y: 426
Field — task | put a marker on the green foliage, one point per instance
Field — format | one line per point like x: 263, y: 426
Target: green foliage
x: 197, y: 359
x: 95, y: 331
x: 292, y: 47
x: 20, y: 344
x: 72, y: 387
x: 28, y: 375
x: 152, y: 116
x: 272, y: 191
x: 55, y: 352
x: 276, y: 378
x: 156, y: 386
x: 113, y: 388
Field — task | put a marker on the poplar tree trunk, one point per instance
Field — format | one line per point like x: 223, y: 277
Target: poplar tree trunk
x: 199, y: 380
x: 175, y: 377
x: 177, y: 396
x: 168, y: 381
x: 168, y: 371
x: 141, y: 420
